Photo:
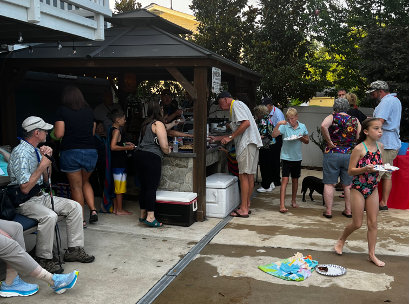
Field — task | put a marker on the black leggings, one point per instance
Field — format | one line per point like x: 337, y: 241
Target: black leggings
x: 148, y: 167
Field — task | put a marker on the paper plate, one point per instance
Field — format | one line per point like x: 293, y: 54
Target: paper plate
x: 293, y: 138
x: 332, y: 270
x: 381, y: 168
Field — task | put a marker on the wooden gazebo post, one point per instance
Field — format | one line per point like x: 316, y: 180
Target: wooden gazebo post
x: 200, y: 119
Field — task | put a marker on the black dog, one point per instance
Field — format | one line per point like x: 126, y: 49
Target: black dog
x: 313, y: 184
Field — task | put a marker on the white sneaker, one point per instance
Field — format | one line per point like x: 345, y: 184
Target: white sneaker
x: 261, y: 190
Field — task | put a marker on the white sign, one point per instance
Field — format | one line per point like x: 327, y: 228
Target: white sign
x: 216, y: 80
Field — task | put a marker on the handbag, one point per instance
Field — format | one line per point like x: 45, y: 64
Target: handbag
x: 7, y: 209
x: 17, y: 197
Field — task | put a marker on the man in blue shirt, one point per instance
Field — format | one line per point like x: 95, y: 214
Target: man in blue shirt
x: 389, y: 112
x: 29, y: 170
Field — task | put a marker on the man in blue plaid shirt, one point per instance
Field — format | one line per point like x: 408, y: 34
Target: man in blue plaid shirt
x: 28, y: 170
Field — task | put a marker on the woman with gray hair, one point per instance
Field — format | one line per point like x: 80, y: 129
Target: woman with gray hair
x: 266, y: 160
x: 340, y: 131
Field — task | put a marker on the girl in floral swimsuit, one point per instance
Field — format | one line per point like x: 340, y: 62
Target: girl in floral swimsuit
x: 367, y: 182
x: 364, y: 157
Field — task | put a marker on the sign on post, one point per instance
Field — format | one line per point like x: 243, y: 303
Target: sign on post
x: 216, y: 80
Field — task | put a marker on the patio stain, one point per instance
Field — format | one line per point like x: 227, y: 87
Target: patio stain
x: 201, y: 282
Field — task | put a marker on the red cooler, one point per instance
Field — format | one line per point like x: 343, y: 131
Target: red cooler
x: 399, y: 195
x: 176, y: 208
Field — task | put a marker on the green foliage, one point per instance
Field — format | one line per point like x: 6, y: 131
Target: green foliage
x: 148, y: 88
x: 225, y: 26
x: 368, y: 40
x: 123, y: 6
x: 295, y: 102
x: 318, y: 140
x: 303, y: 46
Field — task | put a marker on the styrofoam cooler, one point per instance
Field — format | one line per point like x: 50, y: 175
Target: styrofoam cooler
x: 176, y: 208
x: 222, y: 194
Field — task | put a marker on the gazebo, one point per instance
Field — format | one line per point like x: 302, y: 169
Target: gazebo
x: 142, y: 44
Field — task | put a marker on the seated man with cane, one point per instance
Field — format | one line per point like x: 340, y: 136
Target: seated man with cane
x: 29, y: 172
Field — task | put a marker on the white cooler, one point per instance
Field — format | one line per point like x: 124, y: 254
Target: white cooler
x: 222, y: 194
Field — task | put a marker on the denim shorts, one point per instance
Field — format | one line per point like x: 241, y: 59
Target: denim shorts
x: 335, y: 165
x: 78, y: 159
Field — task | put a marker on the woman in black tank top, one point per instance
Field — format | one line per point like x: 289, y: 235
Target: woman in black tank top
x: 149, y: 159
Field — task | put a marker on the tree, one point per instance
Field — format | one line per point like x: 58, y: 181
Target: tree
x: 282, y: 52
x: 371, y: 38
x: 224, y: 26
x: 123, y: 6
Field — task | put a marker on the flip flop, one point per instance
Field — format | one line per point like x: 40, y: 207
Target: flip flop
x: 237, y: 214
x: 329, y: 216
x: 347, y: 215
x: 249, y: 212
x: 154, y: 223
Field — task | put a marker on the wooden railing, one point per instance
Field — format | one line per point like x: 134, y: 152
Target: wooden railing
x: 84, y: 18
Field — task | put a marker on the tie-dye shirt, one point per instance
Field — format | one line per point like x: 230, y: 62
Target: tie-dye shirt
x: 342, y: 133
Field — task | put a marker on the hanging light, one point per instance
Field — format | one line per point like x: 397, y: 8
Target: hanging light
x: 59, y: 46
x: 20, y: 40
x: 74, y: 49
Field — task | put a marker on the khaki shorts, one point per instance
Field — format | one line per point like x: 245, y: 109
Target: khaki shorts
x: 388, y: 157
x: 248, y: 160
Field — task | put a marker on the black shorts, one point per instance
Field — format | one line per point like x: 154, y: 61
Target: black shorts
x: 291, y: 167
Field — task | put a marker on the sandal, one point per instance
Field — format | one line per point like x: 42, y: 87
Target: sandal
x: 93, y: 217
x: 329, y: 216
x: 84, y: 224
x: 154, y: 223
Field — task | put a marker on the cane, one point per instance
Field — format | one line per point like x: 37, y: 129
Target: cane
x: 57, y: 230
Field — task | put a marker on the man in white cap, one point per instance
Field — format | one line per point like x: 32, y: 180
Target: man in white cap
x: 28, y: 169
x: 247, y: 143
x: 389, y: 112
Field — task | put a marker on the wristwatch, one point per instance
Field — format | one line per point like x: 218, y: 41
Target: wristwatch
x: 230, y: 137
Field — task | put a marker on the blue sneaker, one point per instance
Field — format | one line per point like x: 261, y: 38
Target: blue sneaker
x: 17, y: 288
x: 62, y: 282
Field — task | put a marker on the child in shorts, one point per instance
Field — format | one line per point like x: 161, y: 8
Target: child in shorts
x: 294, y: 133
x: 119, y: 159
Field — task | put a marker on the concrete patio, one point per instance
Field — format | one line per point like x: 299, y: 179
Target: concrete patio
x: 132, y: 258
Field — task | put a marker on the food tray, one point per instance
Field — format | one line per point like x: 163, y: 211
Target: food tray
x: 381, y: 168
x: 332, y: 270
x: 293, y: 138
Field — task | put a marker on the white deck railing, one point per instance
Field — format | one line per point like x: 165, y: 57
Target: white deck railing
x: 83, y: 18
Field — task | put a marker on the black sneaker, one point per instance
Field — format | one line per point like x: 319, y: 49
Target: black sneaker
x: 49, y: 265
x: 78, y: 254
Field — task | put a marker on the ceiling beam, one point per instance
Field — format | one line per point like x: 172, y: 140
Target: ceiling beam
x: 183, y: 81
